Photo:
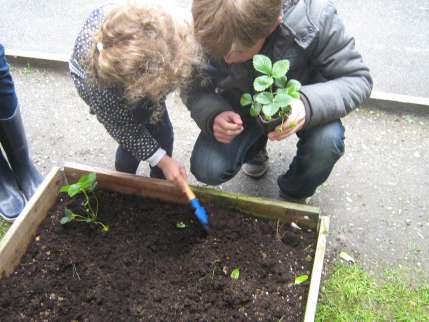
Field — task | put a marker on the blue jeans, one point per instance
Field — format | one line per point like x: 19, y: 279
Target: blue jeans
x: 318, y: 149
x: 163, y: 133
x: 8, y: 99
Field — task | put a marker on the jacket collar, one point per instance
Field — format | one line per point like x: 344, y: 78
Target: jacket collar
x: 298, y: 22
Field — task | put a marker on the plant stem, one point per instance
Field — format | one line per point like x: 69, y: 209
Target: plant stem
x: 90, y: 210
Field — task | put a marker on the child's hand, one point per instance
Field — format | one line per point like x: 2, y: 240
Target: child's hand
x: 293, y: 124
x: 173, y: 170
x: 226, y: 126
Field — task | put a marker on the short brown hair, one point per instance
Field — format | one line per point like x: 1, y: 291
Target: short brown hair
x: 143, y: 51
x: 218, y: 24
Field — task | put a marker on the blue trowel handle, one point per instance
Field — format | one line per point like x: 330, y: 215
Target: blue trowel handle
x: 200, y: 212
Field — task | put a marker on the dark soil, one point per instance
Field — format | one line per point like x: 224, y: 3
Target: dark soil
x: 147, y: 269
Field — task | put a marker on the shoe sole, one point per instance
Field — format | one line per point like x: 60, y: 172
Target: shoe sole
x: 255, y: 175
x: 285, y: 197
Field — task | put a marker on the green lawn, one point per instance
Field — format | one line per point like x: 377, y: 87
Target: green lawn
x: 351, y: 294
x: 4, y: 226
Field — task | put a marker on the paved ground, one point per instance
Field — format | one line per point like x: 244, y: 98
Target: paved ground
x: 376, y: 196
x: 391, y: 34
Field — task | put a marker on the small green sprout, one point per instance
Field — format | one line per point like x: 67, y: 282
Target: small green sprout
x: 269, y: 102
x: 85, y: 186
x: 235, y: 274
x: 301, y: 279
x: 180, y: 225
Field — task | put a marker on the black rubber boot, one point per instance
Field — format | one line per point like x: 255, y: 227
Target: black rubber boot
x: 11, y: 199
x: 14, y: 142
x: 125, y: 161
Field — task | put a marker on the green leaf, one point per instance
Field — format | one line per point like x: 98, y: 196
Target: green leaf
x: 65, y: 188
x: 264, y: 98
x: 180, y: 225
x: 280, y: 82
x: 73, y: 190
x: 293, y: 85
x: 282, y: 100
x: 105, y: 229
x: 280, y: 68
x: 68, y: 216
x: 87, y: 182
x: 301, y: 279
x: 246, y: 99
x: 235, y: 274
x: 261, y: 83
x: 294, y: 94
x: 286, y: 111
x: 262, y: 64
x: 255, y: 109
x: 64, y: 220
x: 270, y: 109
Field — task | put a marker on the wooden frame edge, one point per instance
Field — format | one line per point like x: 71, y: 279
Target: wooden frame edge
x: 287, y: 212
x: 128, y: 183
x: 316, y: 273
x: 16, y: 240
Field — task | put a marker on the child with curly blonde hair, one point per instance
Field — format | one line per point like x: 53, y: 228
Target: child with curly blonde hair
x: 126, y: 59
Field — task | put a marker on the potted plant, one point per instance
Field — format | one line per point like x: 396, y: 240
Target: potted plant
x: 274, y: 93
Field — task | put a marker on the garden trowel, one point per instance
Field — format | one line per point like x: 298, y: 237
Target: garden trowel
x: 200, y: 212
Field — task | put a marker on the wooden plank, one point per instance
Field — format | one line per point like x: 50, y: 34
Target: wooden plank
x: 316, y: 274
x: 286, y: 212
x: 128, y: 183
x: 19, y: 236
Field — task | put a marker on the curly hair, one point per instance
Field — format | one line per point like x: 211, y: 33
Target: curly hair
x: 143, y: 51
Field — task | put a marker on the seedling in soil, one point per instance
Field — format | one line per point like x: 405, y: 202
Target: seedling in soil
x: 301, y: 279
x: 88, y: 214
x: 274, y: 92
x: 235, y: 274
x: 180, y: 225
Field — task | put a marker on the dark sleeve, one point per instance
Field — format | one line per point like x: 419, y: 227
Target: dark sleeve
x: 200, y: 97
x: 348, y: 83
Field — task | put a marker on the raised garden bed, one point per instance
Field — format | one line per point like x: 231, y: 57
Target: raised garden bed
x: 149, y: 268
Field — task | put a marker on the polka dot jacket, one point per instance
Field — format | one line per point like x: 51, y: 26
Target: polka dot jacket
x: 108, y: 104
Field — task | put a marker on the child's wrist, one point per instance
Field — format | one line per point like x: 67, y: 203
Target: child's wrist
x: 155, y: 159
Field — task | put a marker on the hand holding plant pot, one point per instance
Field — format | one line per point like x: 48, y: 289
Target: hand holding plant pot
x: 293, y: 124
x: 274, y: 93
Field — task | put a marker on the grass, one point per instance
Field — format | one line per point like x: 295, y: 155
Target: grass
x: 4, y: 226
x: 351, y: 294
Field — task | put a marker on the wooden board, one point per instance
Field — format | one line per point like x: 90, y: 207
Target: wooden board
x: 286, y: 212
x: 316, y: 273
x: 19, y: 236
x: 127, y: 183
